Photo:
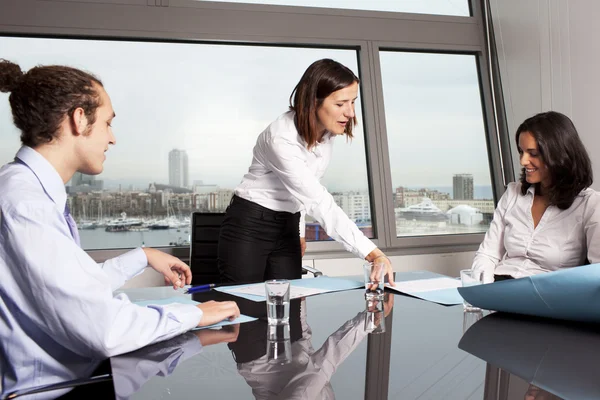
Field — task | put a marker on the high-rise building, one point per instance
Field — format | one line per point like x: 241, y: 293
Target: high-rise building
x: 462, y: 187
x: 178, y: 168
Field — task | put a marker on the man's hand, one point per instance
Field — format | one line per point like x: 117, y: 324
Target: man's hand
x: 175, y: 271
x: 302, y: 245
x: 217, y: 311
x: 226, y: 334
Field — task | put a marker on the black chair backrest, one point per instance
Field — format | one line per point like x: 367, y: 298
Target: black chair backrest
x: 204, y: 247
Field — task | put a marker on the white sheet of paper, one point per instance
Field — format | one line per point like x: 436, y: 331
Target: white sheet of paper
x: 259, y: 290
x: 426, y: 285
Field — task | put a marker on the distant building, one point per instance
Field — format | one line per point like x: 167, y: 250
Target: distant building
x: 405, y: 197
x: 356, y: 205
x: 82, y: 183
x: 178, y: 168
x: 462, y: 187
x: 465, y: 215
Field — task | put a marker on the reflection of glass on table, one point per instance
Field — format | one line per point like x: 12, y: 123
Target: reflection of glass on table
x: 375, y: 318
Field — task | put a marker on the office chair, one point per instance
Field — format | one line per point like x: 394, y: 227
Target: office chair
x: 204, y: 245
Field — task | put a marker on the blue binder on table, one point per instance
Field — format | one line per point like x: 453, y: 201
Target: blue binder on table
x: 568, y: 294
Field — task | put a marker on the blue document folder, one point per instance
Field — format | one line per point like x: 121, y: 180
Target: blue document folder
x: 568, y: 294
x: 184, y: 300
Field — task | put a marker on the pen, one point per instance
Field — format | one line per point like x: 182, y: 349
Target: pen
x: 200, y: 288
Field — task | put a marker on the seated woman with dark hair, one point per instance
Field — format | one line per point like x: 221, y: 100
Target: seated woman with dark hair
x: 550, y: 219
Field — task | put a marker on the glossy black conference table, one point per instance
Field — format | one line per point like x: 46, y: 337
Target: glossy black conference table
x: 423, y: 354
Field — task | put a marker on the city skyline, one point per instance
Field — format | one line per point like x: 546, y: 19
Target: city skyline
x: 216, y: 121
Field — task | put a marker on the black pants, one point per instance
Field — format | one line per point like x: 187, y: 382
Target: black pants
x: 499, y: 278
x: 256, y: 244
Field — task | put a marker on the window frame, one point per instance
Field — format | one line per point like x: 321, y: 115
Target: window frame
x: 366, y: 31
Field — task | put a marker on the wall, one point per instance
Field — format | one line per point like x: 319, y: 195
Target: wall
x: 549, y: 61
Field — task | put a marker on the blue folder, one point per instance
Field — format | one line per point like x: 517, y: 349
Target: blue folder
x: 568, y: 294
x: 184, y: 300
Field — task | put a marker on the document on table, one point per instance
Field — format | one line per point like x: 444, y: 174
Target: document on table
x: 426, y: 285
x: 184, y: 300
x: 259, y: 290
x: 298, y: 288
x: 441, y: 290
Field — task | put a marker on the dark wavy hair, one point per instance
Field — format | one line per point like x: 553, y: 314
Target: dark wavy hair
x: 564, y: 154
x: 41, y: 98
x: 321, y: 78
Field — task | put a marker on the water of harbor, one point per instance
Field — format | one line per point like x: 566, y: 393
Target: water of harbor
x: 95, y: 239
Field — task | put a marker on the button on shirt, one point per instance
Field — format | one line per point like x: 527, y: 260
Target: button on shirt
x: 56, y: 303
x: 562, y: 238
x: 285, y: 176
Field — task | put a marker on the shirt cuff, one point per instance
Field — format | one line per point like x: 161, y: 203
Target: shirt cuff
x: 364, y: 247
x: 187, y: 315
x: 133, y: 262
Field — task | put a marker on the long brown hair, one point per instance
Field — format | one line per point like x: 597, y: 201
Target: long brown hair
x: 41, y: 98
x: 322, y: 78
x: 564, y: 154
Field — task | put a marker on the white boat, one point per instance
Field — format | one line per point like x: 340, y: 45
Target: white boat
x: 424, y: 211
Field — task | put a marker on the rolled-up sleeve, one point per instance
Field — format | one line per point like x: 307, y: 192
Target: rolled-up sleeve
x: 66, y: 295
x: 288, y: 163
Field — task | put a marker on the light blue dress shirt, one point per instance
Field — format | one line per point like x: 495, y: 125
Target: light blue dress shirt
x: 57, y: 309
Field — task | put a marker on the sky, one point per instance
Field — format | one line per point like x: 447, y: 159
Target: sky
x: 214, y: 100
x: 442, y: 7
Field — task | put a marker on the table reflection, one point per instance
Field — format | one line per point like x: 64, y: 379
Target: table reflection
x: 557, y: 359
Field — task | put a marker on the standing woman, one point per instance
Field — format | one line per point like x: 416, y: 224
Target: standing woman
x: 262, y: 236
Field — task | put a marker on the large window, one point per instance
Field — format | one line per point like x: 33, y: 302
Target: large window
x: 194, y: 82
x: 437, y: 143
x: 188, y: 115
x: 441, y: 7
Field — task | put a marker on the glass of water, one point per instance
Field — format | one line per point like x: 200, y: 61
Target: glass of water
x: 470, y: 277
x: 278, y: 301
x: 374, y: 280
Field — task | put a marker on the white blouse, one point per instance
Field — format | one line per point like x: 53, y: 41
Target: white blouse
x: 562, y: 238
x: 285, y: 176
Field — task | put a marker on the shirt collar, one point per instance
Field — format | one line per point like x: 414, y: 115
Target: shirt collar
x: 46, y: 174
x: 531, y: 190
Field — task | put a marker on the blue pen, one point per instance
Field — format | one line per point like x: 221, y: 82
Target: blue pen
x: 200, y: 288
